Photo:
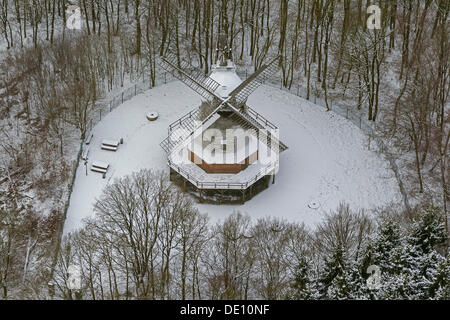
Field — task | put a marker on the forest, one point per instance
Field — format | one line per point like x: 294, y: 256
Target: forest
x: 155, y: 245
x: 147, y: 241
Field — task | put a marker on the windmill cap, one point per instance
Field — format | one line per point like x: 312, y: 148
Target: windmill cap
x: 227, y: 78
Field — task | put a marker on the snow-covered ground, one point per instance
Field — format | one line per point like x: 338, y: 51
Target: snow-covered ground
x: 327, y: 161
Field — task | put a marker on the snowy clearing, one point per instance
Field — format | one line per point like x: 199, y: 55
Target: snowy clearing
x: 327, y: 161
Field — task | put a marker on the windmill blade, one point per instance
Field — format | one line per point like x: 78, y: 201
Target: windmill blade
x: 193, y: 78
x: 262, y: 129
x: 246, y: 88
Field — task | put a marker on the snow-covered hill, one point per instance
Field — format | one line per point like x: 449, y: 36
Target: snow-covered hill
x: 327, y: 161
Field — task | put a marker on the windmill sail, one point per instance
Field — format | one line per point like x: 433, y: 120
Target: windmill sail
x: 206, y: 87
x: 245, y: 89
x: 194, y: 79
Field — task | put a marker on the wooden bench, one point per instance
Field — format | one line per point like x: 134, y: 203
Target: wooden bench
x: 110, y: 143
x: 88, y: 140
x: 109, y: 148
x: 98, y: 170
x: 85, y: 154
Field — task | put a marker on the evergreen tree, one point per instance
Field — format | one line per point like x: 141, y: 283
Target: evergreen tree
x: 428, y: 232
x: 304, y: 283
x: 336, y: 279
x: 440, y: 289
x: 387, y: 253
x: 426, y: 265
x: 412, y: 267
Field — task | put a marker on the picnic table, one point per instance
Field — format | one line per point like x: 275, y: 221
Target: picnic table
x: 111, y: 145
x: 99, y: 166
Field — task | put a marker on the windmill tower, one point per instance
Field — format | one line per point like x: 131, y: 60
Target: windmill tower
x: 223, y: 147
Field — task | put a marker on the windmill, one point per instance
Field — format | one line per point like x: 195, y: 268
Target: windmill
x: 224, y: 105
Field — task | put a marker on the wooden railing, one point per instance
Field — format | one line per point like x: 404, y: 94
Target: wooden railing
x: 258, y: 117
x: 178, y: 122
x: 223, y: 185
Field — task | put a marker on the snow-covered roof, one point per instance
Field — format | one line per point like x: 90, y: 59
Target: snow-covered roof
x: 227, y: 78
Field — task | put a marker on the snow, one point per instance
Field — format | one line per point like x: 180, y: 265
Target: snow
x: 327, y: 161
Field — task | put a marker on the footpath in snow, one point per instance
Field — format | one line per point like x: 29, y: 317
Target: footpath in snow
x: 327, y: 161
